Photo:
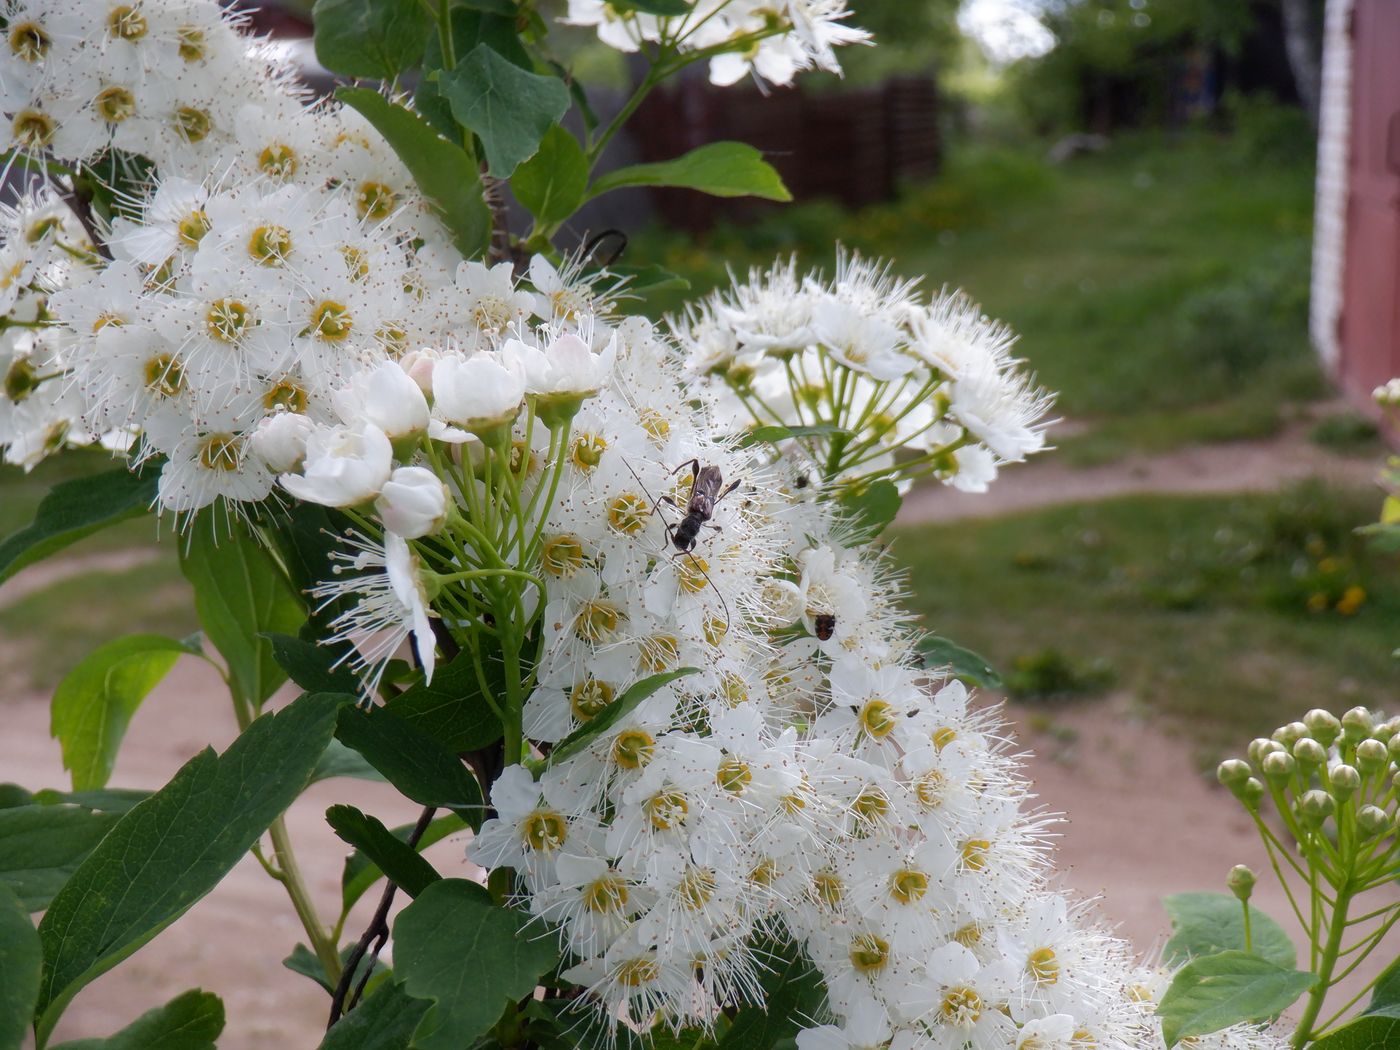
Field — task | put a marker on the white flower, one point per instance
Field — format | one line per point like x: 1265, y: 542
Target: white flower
x: 563, y: 370
x: 477, y: 393
x: 413, y: 502
x: 387, y: 397
x: 344, y: 466
x: 1005, y: 410
x: 280, y: 441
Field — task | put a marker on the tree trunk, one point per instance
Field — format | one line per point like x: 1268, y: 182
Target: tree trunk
x: 1304, y: 54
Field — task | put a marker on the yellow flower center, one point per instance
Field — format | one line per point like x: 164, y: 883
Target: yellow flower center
x: 587, y: 451
x: 628, y: 513
x: 226, y: 319
x: 107, y: 319
x: 961, y: 1007
x: 734, y: 775
x: 270, y: 245
x: 659, y: 651
x: 908, y: 885
x: 597, y: 621
x: 392, y: 338
x: 192, y: 228
x: 589, y: 697
x: 692, y: 574
x: 655, y: 424
x: 869, y: 953
x: 114, y: 104
x: 375, y: 201
x: 1043, y: 967
x: 21, y: 380
x: 219, y: 452
x: 41, y: 229
x: 666, y: 809
x: 764, y: 873
x: 163, y: 375
x: 331, y: 321
x: 733, y: 688
x: 562, y: 556
x: 278, y: 162
x: 544, y: 831
x: 870, y: 806
x: 33, y: 129
x: 606, y: 894
x: 697, y: 887
x: 828, y: 887
x: 877, y: 718
x: 192, y: 45
x: 633, y: 749
x: 193, y: 123
x: 285, y: 394
x: 126, y: 23
x: 969, y: 936
x: 356, y: 262
x: 636, y: 972
x: 715, y: 628
x: 974, y: 854
x: 29, y: 41
x: 930, y: 789
x: 943, y: 737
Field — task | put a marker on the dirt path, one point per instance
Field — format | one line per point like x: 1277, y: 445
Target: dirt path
x: 1240, y: 466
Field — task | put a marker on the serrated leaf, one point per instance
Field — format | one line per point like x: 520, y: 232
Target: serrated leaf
x: 376, y: 39
x: 402, y: 864
x: 412, y: 760
x: 94, y: 702
x: 1215, y: 991
x: 173, y: 848
x: 1367, y: 1032
x: 191, y: 1021
x: 721, y: 169
x: 614, y: 713
x: 241, y: 597
x: 360, y: 873
x: 385, y: 1020
x: 870, y: 508
x: 509, y: 108
x: 75, y: 509
x: 451, y: 708
x: 455, y: 946
x: 41, y: 846
x: 20, y: 962
x: 551, y: 184
x: 444, y: 173
x: 963, y: 664
x: 1208, y: 923
x: 312, y: 666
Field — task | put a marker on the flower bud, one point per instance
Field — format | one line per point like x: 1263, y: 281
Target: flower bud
x: 563, y: 375
x: 386, y: 397
x: 1371, y: 757
x: 481, y: 393
x: 344, y: 466
x: 1385, y: 732
x: 1393, y: 746
x: 1315, y: 807
x: 280, y: 441
x: 1261, y: 746
x: 1323, y: 725
x: 1343, y: 780
x: 413, y: 502
x: 418, y: 366
x: 1232, y: 773
x: 1287, y: 735
x: 1357, y: 725
x: 1251, y: 793
x: 1278, y: 766
x: 1372, y: 821
x: 1309, y: 752
x: 1241, y: 881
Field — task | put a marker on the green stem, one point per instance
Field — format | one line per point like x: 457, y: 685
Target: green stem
x: 1304, y: 1033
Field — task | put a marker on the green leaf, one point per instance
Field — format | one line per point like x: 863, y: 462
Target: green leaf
x: 1367, y: 1032
x: 191, y: 1021
x: 340, y: 761
x: 241, y: 596
x: 963, y: 663
x: 445, y: 174
x: 412, y: 760
x: 795, y: 996
x: 509, y: 108
x: 376, y: 39
x: 109, y: 800
x: 74, y: 509
x: 1207, y: 923
x: 872, y: 507
x: 303, y: 960
x: 94, y: 703
x: 451, y: 708
x: 173, y: 848
x: 402, y: 864
x: 614, y: 713
x: 385, y: 1020
x: 1215, y: 991
x: 721, y: 169
x: 20, y: 963
x: 776, y: 432
x: 312, y: 666
x: 41, y: 846
x: 551, y: 184
x: 1385, y: 997
x: 360, y: 873
x: 455, y: 946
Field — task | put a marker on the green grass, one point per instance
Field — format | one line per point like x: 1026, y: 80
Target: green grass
x: 1160, y: 287
x: 1199, y: 608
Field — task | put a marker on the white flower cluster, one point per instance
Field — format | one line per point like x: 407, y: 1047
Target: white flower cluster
x: 919, y: 388
x: 772, y: 40
x: 808, y: 779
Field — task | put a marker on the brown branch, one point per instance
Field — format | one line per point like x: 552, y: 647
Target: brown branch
x: 80, y: 204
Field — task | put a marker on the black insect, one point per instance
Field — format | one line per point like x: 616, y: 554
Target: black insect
x: 705, y: 493
x: 826, y: 626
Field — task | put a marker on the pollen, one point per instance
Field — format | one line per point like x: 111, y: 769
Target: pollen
x: 331, y: 321
x: 270, y: 245
x: 869, y: 953
x: 192, y: 228
x: 125, y: 22
x: 589, y: 697
x: 908, y: 885
x: 877, y: 718
x: 163, y: 375
x: 597, y: 621
x: 226, y: 319
x: 1043, y: 966
x: 114, y: 104
x: 220, y: 452
x: 278, y: 161
x: 562, y: 556
x: 605, y: 895
x: 29, y: 41
x: 734, y: 775
x: 544, y: 831
x: 666, y: 809
x: 375, y: 201
x: 628, y: 513
x: 961, y: 1007
x: 633, y: 749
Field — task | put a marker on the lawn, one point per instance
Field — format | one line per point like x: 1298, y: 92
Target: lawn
x: 1198, y: 608
x: 1160, y: 287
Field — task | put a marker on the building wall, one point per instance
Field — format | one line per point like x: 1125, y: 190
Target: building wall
x: 1329, y: 219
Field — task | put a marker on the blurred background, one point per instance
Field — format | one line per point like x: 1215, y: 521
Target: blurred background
x: 1134, y: 185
